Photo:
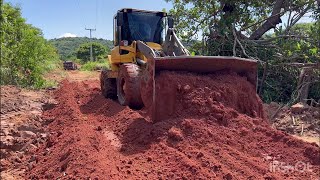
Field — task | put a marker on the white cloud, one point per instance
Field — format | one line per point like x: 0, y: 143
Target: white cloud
x: 67, y: 35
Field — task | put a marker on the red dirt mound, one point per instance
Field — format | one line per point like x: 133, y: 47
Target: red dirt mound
x: 93, y: 137
x: 215, y: 96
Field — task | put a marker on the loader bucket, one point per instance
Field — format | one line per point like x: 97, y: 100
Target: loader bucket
x: 209, y: 64
x: 196, y: 64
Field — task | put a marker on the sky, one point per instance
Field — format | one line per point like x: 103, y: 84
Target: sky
x: 61, y: 18
x: 69, y: 18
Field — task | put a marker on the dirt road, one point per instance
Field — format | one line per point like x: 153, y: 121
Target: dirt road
x: 206, y: 137
x: 22, y: 128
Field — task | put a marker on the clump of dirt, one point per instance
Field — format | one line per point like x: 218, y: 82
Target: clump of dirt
x: 21, y: 128
x: 175, y: 134
x: 93, y: 137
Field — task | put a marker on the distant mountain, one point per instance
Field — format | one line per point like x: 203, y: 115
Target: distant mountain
x: 67, y: 46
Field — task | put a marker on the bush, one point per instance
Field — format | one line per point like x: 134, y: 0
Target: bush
x: 99, y: 51
x: 25, y: 54
x: 95, y: 65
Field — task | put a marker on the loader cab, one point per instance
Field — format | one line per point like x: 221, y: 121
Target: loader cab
x: 132, y: 24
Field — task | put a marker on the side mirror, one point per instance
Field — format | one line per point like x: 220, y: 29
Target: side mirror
x: 119, y: 19
x: 170, y: 22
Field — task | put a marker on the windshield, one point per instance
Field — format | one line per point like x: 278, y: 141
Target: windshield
x: 143, y: 26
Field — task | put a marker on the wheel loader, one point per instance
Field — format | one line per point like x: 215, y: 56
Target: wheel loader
x: 145, y: 44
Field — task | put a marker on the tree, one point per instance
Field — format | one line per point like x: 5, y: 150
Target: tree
x: 25, y: 54
x: 301, y: 44
x: 99, y: 51
x: 242, y: 28
x: 68, y: 46
x: 251, y: 18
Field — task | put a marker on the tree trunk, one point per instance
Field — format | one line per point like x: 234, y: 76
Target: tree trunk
x: 271, y: 22
x: 304, y: 84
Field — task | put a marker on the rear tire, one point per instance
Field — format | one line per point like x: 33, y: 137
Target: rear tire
x: 128, y: 86
x: 108, y: 85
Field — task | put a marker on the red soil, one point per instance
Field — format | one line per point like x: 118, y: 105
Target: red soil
x: 215, y: 131
x: 216, y: 96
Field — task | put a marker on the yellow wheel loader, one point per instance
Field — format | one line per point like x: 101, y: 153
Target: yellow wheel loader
x: 144, y: 44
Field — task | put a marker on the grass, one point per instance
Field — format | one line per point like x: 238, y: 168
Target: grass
x: 94, y: 65
x: 50, y: 84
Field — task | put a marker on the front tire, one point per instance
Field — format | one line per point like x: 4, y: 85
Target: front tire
x: 128, y: 86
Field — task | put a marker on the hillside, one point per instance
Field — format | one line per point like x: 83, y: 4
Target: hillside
x: 67, y: 46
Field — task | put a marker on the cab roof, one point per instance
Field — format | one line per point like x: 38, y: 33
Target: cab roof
x: 130, y: 10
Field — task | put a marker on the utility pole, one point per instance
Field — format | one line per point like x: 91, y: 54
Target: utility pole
x: 89, y: 29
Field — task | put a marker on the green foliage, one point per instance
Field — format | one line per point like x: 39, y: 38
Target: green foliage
x: 315, y: 88
x: 95, y: 65
x: 280, y: 83
x: 68, y: 46
x: 25, y: 54
x: 99, y: 51
x: 302, y: 46
x: 196, y: 18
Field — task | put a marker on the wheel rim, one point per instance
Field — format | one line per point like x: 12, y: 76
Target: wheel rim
x: 121, y: 91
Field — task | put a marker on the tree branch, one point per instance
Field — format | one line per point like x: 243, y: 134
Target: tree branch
x: 277, y: 37
x: 271, y: 21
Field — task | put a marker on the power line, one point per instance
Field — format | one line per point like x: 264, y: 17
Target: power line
x: 90, y: 29
x: 96, y: 12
